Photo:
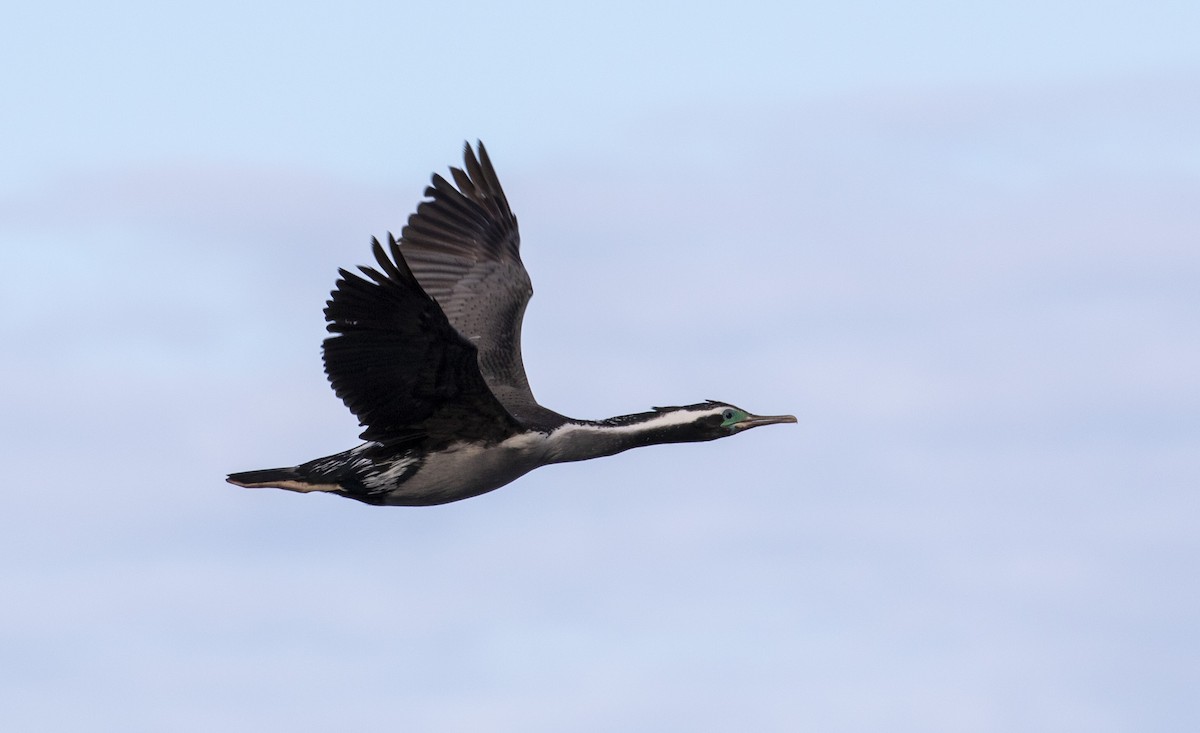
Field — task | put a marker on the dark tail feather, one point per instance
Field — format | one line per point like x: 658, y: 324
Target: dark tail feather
x: 265, y: 477
x: 269, y: 477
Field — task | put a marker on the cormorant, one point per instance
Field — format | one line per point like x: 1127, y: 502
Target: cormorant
x: 426, y: 352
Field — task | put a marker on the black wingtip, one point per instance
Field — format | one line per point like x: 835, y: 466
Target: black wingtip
x: 478, y: 154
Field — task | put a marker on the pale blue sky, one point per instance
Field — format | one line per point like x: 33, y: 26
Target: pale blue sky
x: 959, y: 241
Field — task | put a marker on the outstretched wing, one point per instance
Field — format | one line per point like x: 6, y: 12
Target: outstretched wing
x: 463, y: 246
x: 399, y: 365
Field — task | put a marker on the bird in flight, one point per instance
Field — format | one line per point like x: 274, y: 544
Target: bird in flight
x: 426, y: 352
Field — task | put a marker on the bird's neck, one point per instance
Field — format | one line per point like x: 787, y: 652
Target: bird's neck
x: 579, y: 440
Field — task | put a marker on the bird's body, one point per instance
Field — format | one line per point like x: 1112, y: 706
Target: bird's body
x: 426, y: 352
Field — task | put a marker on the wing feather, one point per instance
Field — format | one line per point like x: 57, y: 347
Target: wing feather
x: 463, y: 246
x: 398, y: 364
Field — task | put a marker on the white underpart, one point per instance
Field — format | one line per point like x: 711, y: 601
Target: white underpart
x: 389, y: 475
x: 524, y: 441
x: 466, y: 469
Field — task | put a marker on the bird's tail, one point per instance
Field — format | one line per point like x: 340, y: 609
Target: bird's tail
x: 279, y: 478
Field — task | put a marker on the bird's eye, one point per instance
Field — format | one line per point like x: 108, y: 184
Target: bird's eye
x: 727, y: 415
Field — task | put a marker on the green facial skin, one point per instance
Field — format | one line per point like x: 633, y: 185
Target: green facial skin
x: 735, y: 417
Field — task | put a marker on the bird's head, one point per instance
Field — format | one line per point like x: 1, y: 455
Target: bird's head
x: 708, y: 421
x: 729, y: 419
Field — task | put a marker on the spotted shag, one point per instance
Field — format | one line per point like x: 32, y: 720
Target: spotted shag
x: 426, y: 351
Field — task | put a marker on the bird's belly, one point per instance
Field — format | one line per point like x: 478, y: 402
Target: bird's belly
x: 464, y: 471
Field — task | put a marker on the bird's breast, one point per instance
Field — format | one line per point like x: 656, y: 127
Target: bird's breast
x: 462, y: 470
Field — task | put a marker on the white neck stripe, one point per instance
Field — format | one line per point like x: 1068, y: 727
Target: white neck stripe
x: 661, y: 420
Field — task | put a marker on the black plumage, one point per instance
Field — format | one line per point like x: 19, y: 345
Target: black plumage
x: 426, y: 351
x: 400, y: 366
